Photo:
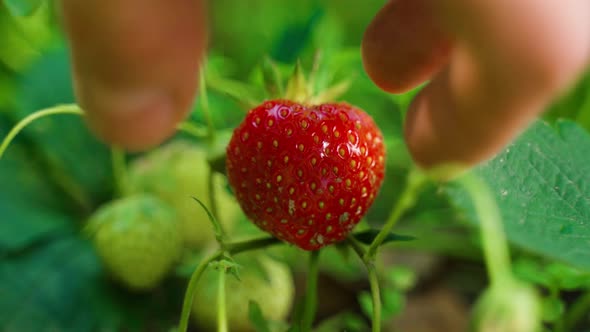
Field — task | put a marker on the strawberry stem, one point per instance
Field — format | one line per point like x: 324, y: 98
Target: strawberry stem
x: 373, y: 283
x: 416, y: 180
x: 189, y: 295
x: 221, y: 305
x: 70, y: 187
x: 311, y: 293
x: 205, y: 107
x: 211, y: 134
x: 220, y: 234
x: 239, y: 247
x: 230, y: 248
x: 213, y: 202
x: 60, y: 109
x: 120, y: 171
x: 495, y: 245
x: 192, y: 129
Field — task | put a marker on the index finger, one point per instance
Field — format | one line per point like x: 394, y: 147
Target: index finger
x: 135, y: 65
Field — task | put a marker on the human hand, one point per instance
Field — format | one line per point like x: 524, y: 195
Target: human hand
x: 493, y: 66
x: 135, y: 65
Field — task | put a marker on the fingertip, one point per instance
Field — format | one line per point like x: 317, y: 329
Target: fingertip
x: 404, y: 46
x: 135, y: 123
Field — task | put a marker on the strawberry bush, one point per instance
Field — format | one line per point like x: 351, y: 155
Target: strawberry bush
x: 286, y: 201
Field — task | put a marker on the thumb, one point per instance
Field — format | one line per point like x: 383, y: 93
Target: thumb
x: 135, y: 65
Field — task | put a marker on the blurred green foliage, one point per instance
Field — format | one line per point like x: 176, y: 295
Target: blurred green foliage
x: 56, y: 173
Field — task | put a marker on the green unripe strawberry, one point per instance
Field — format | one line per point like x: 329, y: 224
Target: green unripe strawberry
x: 175, y: 173
x: 138, y: 240
x: 262, y: 279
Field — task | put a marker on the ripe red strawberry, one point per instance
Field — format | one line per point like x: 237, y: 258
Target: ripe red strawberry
x: 306, y: 174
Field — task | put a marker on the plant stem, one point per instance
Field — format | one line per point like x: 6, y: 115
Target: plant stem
x: 212, y: 201
x: 189, y: 295
x: 239, y: 247
x: 71, y: 188
x: 376, y: 296
x: 231, y: 248
x: 192, y: 129
x: 120, y: 171
x: 206, y: 111
x: 577, y: 311
x: 221, y: 306
x: 407, y: 199
x: 310, y: 304
x: 61, y: 109
x: 217, y: 229
x: 495, y: 246
x: 373, y: 283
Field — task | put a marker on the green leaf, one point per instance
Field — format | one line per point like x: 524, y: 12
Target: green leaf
x: 543, y: 191
x: 50, y: 289
x: 531, y: 271
x: 22, y: 7
x: 23, y: 36
x: 64, y: 141
x: 248, y: 96
x: 566, y: 277
x: 256, y: 317
x: 368, y: 236
x: 29, y: 205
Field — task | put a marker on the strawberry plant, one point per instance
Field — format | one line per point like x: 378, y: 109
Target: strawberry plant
x: 287, y: 199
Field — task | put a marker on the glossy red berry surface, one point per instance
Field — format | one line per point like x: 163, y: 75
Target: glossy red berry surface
x: 306, y: 174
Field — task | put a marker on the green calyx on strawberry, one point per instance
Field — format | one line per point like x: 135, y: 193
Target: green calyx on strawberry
x: 137, y: 239
x: 175, y: 173
x: 262, y: 279
x: 307, y: 174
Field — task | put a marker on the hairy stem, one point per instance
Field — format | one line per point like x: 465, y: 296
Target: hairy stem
x: 406, y: 201
x: 311, y: 293
x: 373, y: 283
